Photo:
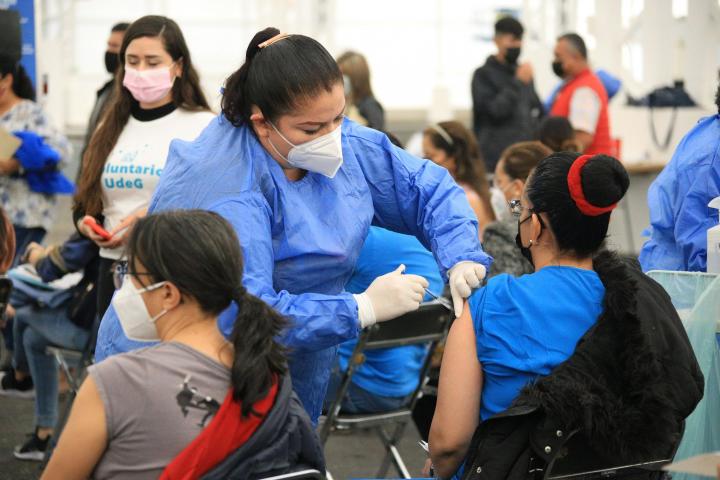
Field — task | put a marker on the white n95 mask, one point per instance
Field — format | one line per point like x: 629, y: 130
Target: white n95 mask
x: 134, y: 317
x: 322, y: 155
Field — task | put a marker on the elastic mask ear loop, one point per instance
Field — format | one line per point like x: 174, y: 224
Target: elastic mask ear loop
x: 281, y: 136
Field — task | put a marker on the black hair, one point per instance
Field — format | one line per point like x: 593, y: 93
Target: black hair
x: 120, y: 27
x: 557, y: 133
x: 199, y: 252
x: 717, y: 98
x: 509, y: 25
x: 604, y: 182
x: 22, y: 86
x: 279, y: 77
x: 576, y: 42
x: 393, y: 139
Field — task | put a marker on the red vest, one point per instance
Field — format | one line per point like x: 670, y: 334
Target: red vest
x: 601, y: 143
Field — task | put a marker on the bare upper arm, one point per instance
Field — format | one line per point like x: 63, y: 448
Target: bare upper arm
x: 478, y: 206
x: 458, y: 406
x: 83, y: 439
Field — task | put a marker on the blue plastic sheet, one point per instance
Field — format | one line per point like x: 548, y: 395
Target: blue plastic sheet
x: 697, y: 299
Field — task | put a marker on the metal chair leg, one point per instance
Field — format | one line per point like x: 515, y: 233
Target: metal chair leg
x: 392, y: 454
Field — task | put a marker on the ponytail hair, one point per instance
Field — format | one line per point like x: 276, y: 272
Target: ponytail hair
x: 199, y: 252
x: 22, y: 85
x: 259, y: 358
x: 279, y: 77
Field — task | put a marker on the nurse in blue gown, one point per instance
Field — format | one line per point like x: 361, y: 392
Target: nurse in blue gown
x: 302, y: 185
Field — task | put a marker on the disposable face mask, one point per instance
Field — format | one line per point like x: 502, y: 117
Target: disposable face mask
x: 148, y: 86
x: 322, y: 155
x: 512, y: 54
x: 557, y: 68
x: 134, y: 317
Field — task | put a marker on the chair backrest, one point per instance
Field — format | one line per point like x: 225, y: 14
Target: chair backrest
x: 427, y: 324
x: 303, y: 474
x: 579, y: 461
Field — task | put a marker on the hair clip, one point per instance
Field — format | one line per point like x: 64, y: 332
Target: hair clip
x: 274, y: 39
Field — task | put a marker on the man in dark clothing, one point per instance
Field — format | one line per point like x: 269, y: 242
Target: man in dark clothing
x: 506, y: 107
x: 117, y: 33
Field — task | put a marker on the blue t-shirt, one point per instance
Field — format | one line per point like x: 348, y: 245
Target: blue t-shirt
x: 389, y: 372
x: 526, y: 326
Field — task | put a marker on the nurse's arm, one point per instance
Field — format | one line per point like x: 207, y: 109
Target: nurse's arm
x: 417, y: 197
x: 458, y: 403
x: 317, y: 321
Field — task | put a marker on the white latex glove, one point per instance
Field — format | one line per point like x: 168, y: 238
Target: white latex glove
x: 390, y: 296
x: 464, y: 277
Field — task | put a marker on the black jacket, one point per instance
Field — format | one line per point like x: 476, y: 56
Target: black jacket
x: 285, y: 442
x: 626, y: 390
x: 505, y: 110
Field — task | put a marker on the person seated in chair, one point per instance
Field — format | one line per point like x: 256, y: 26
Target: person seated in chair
x: 195, y: 404
x: 587, y: 342
x: 388, y: 376
x: 48, y: 317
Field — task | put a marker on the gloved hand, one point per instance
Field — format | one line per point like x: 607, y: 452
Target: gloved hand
x: 390, y: 296
x: 464, y: 277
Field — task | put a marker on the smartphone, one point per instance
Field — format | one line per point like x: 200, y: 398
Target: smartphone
x: 90, y: 222
x: 6, y: 287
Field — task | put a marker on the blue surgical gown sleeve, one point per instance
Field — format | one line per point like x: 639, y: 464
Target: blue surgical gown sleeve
x: 678, y: 202
x: 417, y: 197
x: 318, y: 321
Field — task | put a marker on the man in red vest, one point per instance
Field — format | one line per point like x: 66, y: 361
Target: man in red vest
x: 582, y: 99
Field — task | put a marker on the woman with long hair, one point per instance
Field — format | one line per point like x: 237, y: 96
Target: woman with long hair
x: 157, y: 99
x: 187, y: 404
x: 354, y: 67
x: 451, y: 145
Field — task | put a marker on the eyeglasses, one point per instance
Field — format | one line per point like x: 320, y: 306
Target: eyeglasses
x: 120, y: 270
x: 516, y: 208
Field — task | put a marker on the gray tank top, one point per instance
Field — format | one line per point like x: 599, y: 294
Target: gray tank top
x: 157, y: 400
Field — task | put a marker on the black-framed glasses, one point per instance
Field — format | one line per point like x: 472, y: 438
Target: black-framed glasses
x: 121, y: 270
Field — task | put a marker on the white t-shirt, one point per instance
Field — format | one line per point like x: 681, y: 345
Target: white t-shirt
x: 134, y: 166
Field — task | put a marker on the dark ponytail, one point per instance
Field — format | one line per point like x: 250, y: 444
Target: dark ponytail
x: 259, y: 358
x: 279, y: 77
x: 199, y: 252
x: 22, y: 85
x: 603, y: 182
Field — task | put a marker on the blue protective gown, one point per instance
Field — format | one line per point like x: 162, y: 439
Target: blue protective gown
x: 301, y: 239
x: 678, y: 201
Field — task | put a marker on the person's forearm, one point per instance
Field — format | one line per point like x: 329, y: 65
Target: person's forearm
x: 446, y: 463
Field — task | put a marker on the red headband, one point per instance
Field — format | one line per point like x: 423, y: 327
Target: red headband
x: 576, y: 191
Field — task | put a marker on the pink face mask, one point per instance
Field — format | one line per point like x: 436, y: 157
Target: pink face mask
x: 148, y: 86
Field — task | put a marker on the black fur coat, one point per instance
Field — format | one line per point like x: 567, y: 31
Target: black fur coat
x: 626, y: 390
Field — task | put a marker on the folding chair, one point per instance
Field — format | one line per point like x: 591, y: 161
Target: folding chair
x: 578, y: 461
x: 81, y: 360
x: 427, y: 325
x: 303, y: 474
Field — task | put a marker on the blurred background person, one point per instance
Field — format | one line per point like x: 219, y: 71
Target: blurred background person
x: 500, y: 237
x: 505, y: 105
x: 451, y: 145
x: 582, y: 98
x: 558, y: 135
x: 355, y: 66
x: 102, y: 96
x: 158, y: 100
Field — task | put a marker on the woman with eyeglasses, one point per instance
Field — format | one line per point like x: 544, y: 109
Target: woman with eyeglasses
x: 185, y: 406
x: 511, y: 173
x: 582, y: 343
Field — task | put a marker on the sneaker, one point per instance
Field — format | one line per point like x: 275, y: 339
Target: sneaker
x: 33, y: 449
x: 9, y: 387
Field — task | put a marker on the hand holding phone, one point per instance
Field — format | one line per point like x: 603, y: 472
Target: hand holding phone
x: 92, y: 223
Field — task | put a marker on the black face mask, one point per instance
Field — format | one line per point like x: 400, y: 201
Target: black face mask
x: 558, y: 69
x: 525, y: 251
x: 111, y: 61
x: 512, y: 54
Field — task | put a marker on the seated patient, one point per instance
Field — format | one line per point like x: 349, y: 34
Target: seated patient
x: 585, y: 342
x: 136, y: 412
x: 388, y: 375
